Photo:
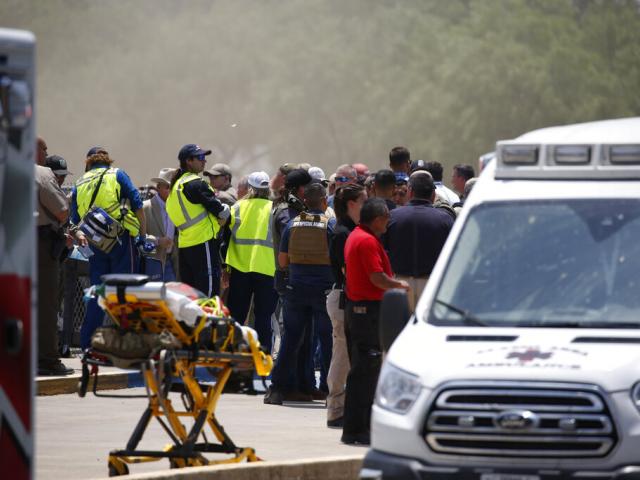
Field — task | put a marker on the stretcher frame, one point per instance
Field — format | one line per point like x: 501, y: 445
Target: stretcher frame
x: 131, y: 313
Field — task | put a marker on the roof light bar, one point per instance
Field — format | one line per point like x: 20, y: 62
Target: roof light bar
x: 520, y: 154
x: 572, y: 154
x: 624, y: 154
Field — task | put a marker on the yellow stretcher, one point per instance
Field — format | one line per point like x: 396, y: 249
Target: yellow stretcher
x: 140, y: 309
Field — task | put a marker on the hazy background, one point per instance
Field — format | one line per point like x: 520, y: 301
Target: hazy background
x: 322, y: 81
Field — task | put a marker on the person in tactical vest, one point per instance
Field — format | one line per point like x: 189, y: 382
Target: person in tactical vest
x: 305, y: 250
x: 198, y: 215
x: 110, y: 189
x: 290, y: 204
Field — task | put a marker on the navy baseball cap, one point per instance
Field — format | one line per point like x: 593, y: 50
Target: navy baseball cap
x: 401, y: 178
x: 191, y: 150
x: 94, y: 150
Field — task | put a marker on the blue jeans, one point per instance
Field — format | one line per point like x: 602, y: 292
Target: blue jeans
x: 323, y: 346
x: 304, y: 307
x: 122, y: 259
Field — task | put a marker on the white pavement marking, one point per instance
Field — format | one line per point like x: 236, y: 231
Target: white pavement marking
x: 75, y: 435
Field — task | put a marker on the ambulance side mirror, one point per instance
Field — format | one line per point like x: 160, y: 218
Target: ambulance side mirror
x: 15, y: 103
x: 394, y: 315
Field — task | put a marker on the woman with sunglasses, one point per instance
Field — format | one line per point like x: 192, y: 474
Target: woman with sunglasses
x: 348, y: 203
x: 198, y: 215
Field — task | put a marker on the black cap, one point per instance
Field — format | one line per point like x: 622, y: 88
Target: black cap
x: 191, y: 150
x: 297, y: 178
x: 57, y: 164
x: 418, y: 165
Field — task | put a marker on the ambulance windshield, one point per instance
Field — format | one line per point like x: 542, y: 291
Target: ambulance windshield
x: 561, y: 263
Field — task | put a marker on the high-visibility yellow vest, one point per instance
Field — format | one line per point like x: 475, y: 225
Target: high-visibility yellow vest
x: 195, y: 224
x: 107, y: 198
x: 251, y: 244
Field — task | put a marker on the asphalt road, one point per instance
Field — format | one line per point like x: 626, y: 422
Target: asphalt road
x: 74, y: 435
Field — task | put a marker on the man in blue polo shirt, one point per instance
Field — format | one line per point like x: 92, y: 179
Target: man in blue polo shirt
x: 304, y: 248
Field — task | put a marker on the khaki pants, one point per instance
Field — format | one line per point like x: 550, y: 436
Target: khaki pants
x: 339, y: 369
x: 417, y: 285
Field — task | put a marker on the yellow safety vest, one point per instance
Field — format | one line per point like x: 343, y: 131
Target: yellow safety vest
x: 108, y: 197
x: 251, y: 244
x: 195, y: 223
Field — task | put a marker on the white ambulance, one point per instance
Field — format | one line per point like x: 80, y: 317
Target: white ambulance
x: 522, y: 361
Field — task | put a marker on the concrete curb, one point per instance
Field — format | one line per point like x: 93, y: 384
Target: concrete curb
x: 335, y: 468
x: 111, y: 380
x: 69, y: 384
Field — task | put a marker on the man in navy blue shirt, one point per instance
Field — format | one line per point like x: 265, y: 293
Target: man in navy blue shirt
x: 416, y: 234
x: 304, y: 248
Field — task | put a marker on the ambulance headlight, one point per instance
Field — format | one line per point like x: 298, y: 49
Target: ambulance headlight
x: 397, y: 390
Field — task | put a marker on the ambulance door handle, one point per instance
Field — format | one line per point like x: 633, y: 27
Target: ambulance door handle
x: 13, y: 335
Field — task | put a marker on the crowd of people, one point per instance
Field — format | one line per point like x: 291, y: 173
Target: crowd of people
x: 318, y: 251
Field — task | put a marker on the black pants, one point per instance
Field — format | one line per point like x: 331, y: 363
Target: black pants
x: 361, y: 329
x: 200, y: 267
x: 48, y: 285
x: 242, y: 285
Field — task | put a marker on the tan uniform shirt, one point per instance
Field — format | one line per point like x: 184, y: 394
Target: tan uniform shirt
x: 228, y: 196
x: 50, y: 198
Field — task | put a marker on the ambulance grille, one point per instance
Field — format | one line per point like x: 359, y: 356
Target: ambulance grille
x: 520, y: 420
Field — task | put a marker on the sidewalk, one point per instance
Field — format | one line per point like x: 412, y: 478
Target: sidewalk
x: 76, y: 434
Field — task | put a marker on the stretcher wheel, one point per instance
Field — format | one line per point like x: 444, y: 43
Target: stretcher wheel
x: 177, y: 463
x: 82, y: 386
x: 84, y: 381
x: 117, y: 468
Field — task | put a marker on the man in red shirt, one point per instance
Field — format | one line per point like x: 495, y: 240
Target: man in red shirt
x: 368, y: 275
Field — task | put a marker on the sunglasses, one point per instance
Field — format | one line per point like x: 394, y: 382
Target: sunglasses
x: 343, y: 179
x: 201, y: 157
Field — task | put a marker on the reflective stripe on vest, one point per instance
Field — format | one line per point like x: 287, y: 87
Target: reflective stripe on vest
x: 107, y: 198
x: 189, y: 222
x: 237, y: 221
x: 251, y: 243
x: 195, y: 223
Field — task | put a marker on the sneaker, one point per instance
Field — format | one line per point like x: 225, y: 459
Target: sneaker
x: 273, y: 397
x: 336, y: 422
x: 356, y: 438
x: 57, y: 369
x: 297, y: 397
